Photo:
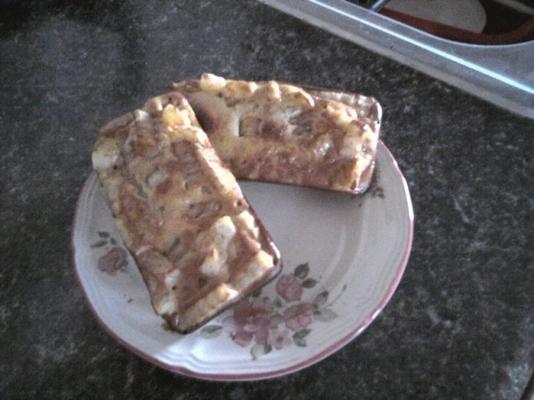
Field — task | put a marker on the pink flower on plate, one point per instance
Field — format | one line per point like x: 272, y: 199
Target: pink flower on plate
x: 263, y: 326
x: 261, y: 333
x: 242, y: 338
x: 279, y: 338
x: 252, y: 320
x: 113, y: 261
x: 299, y: 316
x: 246, y: 309
x: 263, y: 306
x: 237, y: 330
x: 242, y: 311
x: 289, y: 288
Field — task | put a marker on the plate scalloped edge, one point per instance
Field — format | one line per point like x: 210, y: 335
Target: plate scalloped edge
x: 325, y: 352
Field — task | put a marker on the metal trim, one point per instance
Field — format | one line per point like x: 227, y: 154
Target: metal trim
x: 500, y: 74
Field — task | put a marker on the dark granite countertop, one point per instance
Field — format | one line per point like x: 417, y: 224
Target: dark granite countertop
x: 460, y: 325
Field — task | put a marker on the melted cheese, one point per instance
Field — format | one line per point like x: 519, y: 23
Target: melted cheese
x: 279, y: 132
x: 180, y: 211
x: 221, y: 234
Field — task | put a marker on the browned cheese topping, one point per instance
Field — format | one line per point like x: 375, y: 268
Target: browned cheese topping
x: 181, y: 213
x: 282, y: 133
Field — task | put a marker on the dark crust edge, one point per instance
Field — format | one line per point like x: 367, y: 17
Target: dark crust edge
x: 266, y: 241
x: 267, y: 245
x: 365, y: 183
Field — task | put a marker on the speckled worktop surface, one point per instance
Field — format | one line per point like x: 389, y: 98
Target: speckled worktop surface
x: 460, y: 325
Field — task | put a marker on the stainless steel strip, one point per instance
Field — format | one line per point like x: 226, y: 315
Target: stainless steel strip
x: 502, y: 74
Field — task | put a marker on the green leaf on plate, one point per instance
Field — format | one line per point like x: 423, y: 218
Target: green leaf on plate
x: 211, y: 331
x: 301, y: 342
x: 259, y: 350
x: 321, y: 299
x: 302, y: 270
x: 100, y: 243
x: 113, y: 241
x: 103, y: 234
x: 301, y: 334
x: 309, y: 283
x: 278, y: 303
x: 325, y: 315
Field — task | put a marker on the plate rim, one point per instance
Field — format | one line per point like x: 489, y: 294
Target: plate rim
x: 324, y: 353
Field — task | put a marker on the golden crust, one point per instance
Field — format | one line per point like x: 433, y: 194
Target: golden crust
x: 180, y: 212
x: 282, y: 133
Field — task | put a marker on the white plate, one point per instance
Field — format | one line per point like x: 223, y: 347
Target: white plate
x: 343, y: 259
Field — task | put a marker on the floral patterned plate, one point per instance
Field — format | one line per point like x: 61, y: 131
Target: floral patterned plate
x: 343, y: 259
